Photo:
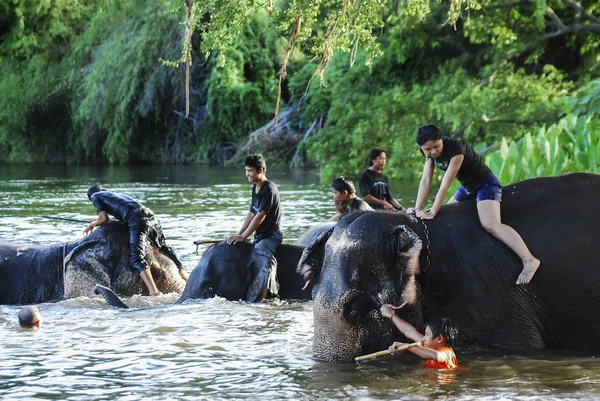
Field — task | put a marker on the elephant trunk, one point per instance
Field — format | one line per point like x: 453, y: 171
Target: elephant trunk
x: 334, y: 339
x: 350, y: 327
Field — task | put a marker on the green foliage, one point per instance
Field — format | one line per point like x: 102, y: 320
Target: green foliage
x: 587, y: 101
x: 572, y: 144
x: 461, y: 78
x: 242, y: 92
x: 82, y: 81
x: 119, y: 95
x: 340, y: 25
x: 35, y: 25
x: 34, y: 112
x: 362, y: 116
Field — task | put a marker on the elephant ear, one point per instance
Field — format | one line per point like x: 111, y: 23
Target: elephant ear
x: 407, y: 246
x: 311, y: 261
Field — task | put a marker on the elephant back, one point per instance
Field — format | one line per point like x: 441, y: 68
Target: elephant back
x: 31, y: 274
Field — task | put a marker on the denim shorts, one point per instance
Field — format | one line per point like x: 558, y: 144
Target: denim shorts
x: 268, y: 245
x: 490, y: 189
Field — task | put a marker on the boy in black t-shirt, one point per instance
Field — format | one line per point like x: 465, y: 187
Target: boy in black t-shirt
x: 478, y: 182
x: 263, y: 219
x: 374, y: 186
x: 345, y: 199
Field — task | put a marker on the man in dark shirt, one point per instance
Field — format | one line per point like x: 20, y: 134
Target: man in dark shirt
x: 374, y: 186
x: 345, y: 199
x: 263, y: 219
x: 143, y: 228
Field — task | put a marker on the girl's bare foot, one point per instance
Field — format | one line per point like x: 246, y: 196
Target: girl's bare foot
x: 529, y: 269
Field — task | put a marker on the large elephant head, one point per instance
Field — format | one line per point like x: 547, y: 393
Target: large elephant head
x: 103, y: 258
x: 369, y: 259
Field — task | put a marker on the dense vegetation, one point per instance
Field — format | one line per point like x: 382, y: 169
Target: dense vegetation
x: 102, y: 80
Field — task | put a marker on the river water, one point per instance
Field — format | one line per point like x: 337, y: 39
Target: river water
x: 214, y: 349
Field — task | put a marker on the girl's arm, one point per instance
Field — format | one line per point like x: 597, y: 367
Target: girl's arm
x: 449, y: 176
x: 425, y: 184
x: 427, y: 353
x: 402, y: 325
x: 423, y: 352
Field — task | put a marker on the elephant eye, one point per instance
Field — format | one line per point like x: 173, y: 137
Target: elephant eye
x: 357, y: 307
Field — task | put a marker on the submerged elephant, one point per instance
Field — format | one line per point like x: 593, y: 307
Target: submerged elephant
x: 451, y: 267
x: 32, y: 274
x: 228, y: 271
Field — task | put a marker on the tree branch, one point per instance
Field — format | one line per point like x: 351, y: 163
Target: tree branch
x: 582, y: 10
x: 562, y: 29
x: 557, y: 21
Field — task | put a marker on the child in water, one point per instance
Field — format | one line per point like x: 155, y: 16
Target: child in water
x: 434, y: 348
x: 460, y: 161
x: 30, y: 318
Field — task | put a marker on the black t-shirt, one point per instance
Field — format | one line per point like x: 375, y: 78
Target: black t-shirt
x: 375, y: 184
x: 267, y: 199
x: 119, y: 205
x: 357, y: 205
x: 473, y: 170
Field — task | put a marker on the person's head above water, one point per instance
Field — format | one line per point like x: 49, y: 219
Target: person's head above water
x: 30, y: 318
x: 94, y: 189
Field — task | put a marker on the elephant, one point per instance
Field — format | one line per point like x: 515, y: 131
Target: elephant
x: 33, y: 274
x: 314, y: 232
x: 228, y: 271
x: 450, y: 267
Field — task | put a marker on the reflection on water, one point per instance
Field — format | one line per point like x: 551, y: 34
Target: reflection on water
x: 214, y: 349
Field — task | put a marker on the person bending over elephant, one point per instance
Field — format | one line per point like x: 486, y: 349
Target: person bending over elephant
x: 374, y: 186
x: 433, y: 346
x: 263, y: 219
x: 345, y: 199
x: 143, y: 227
x: 478, y: 182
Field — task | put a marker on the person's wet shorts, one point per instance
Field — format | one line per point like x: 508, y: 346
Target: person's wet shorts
x: 490, y: 189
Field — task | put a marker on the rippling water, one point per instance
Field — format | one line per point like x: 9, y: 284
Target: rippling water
x: 215, y: 349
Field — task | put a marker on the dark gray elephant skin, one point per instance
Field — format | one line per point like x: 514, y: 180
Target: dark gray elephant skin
x: 33, y: 274
x: 314, y: 232
x: 229, y: 270
x: 451, y: 267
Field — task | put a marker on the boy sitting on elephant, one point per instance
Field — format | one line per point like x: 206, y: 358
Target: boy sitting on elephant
x: 345, y: 199
x: 263, y: 219
x: 433, y: 345
x: 143, y: 228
